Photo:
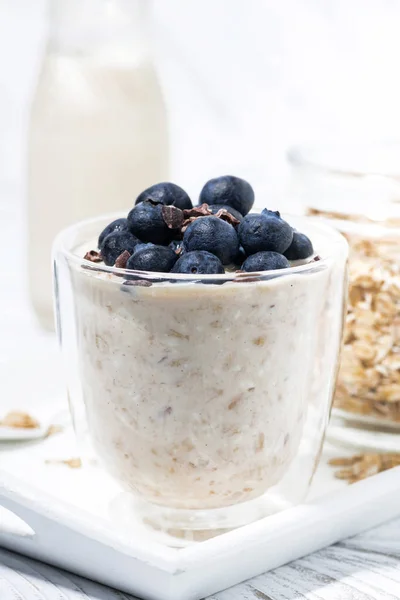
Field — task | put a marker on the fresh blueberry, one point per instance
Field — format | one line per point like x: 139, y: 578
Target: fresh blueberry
x: 265, y: 261
x: 228, y: 190
x: 235, y: 213
x: 271, y: 213
x: 261, y: 232
x: 117, y: 225
x: 199, y: 262
x: 146, y: 221
x: 115, y: 243
x: 241, y: 257
x: 166, y: 193
x: 212, y: 235
x: 152, y: 258
x: 300, y: 248
x: 142, y: 245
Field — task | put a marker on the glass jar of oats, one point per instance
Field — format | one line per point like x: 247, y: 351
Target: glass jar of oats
x: 356, y: 188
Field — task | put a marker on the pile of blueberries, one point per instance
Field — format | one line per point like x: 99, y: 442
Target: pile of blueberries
x: 165, y: 233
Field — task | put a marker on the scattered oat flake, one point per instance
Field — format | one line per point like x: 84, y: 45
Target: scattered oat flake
x: 53, y: 429
x: 178, y: 335
x: 93, y: 256
x: 19, y: 420
x: 72, y: 463
x: 362, y: 466
x: 173, y: 217
x: 345, y: 461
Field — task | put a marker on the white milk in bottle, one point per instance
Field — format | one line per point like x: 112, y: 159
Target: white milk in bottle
x: 98, y: 131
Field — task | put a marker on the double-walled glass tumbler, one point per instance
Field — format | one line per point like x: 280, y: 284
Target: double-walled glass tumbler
x: 205, y: 397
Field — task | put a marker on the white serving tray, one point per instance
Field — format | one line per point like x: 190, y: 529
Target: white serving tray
x: 84, y: 541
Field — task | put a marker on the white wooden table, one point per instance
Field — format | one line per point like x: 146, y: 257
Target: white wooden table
x: 361, y: 568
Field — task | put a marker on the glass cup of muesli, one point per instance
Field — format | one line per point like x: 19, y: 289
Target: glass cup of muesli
x: 206, y: 397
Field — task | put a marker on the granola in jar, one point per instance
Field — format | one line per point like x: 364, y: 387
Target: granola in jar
x: 355, y: 187
x: 369, y: 375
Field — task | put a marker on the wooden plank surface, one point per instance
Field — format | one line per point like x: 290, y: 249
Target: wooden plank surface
x: 362, y: 568
x: 366, y: 567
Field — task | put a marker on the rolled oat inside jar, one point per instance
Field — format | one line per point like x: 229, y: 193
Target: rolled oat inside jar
x: 357, y: 190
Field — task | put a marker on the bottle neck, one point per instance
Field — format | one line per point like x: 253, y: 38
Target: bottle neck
x: 90, y: 27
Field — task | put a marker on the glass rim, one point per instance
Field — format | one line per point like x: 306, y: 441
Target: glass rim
x: 311, y: 156
x: 60, y: 245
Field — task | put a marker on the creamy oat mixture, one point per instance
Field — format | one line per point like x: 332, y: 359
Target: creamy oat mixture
x: 201, y: 396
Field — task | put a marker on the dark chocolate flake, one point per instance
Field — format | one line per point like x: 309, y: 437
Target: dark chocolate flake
x: 204, y: 210
x: 197, y: 211
x: 93, y: 256
x: 138, y: 282
x: 173, y: 217
x: 227, y: 216
x: 187, y: 222
x: 122, y: 259
x: 243, y: 277
x: 97, y: 269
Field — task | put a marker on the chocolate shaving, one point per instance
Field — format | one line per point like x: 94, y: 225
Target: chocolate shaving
x: 316, y: 258
x: 191, y: 214
x: 187, y: 222
x: 93, y: 256
x: 245, y: 279
x: 138, y: 282
x: 99, y: 270
x: 173, y: 217
x: 227, y: 216
x: 122, y: 259
x: 197, y: 211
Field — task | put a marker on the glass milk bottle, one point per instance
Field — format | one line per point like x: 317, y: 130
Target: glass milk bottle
x: 97, y: 134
